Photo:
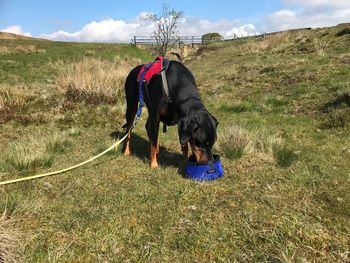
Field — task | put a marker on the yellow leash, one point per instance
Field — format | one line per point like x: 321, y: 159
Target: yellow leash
x: 72, y: 167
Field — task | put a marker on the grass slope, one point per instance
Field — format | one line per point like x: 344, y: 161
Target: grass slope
x: 285, y: 194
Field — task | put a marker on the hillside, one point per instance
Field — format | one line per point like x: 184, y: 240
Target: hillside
x: 283, y: 105
x: 11, y: 36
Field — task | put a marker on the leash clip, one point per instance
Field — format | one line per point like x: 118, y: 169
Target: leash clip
x: 136, y: 120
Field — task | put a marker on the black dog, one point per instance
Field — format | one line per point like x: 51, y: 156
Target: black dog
x: 196, y: 125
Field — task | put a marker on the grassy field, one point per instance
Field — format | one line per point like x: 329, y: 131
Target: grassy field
x: 283, y: 104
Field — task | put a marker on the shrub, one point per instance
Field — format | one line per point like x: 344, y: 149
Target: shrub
x: 92, y: 80
x: 12, y: 101
x: 211, y: 37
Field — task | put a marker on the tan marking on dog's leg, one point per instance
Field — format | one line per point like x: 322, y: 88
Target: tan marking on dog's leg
x: 185, y: 151
x: 198, y: 153
x: 154, y: 152
x: 127, y: 151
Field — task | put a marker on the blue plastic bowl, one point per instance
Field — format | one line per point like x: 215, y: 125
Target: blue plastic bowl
x: 204, y: 171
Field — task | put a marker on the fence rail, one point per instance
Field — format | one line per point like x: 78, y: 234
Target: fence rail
x: 182, y: 40
x: 189, y: 40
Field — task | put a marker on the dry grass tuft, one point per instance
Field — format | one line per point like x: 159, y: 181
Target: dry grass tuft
x: 35, y: 152
x: 267, y: 43
x: 9, y: 240
x: 12, y: 101
x: 235, y: 142
x: 92, y: 80
x: 20, y: 49
x: 321, y: 47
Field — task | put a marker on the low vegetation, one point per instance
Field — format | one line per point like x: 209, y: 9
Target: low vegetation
x: 12, y: 101
x: 267, y: 43
x: 39, y: 151
x: 92, y: 80
x: 20, y: 49
x: 283, y: 109
x: 9, y: 240
x: 234, y: 142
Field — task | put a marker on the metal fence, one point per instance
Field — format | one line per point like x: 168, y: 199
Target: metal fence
x: 190, y: 40
x: 182, y: 40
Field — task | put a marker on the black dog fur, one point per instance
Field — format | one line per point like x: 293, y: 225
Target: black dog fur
x: 196, y: 125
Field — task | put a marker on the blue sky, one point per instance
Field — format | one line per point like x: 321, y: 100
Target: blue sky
x: 109, y: 20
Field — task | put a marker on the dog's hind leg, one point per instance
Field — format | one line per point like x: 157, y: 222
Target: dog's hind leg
x: 132, y: 101
x: 152, y: 127
x: 126, y: 148
x: 130, y: 116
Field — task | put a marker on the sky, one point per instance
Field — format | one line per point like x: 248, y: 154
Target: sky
x: 119, y: 21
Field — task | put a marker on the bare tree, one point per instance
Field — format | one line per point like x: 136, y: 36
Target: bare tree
x: 166, y: 25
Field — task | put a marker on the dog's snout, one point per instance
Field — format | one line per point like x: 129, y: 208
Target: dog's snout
x: 202, y: 155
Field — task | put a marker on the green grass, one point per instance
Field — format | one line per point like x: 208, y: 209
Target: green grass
x: 39, y: 67
x: 278, y: 202
x: 284, y: 156
x: 38, y: 151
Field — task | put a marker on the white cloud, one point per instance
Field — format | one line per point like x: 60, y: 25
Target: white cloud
x: 244, y: 30
x: 225, y: 27
x: 282, y: 20
x: 110, y: 30
x: 319, y: 3
x: 310, y: 13
x: 296, y: 14
x: 15, y: 29
x: 107, y: 30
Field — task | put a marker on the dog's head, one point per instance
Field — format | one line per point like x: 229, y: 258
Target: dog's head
x: 199, y: 130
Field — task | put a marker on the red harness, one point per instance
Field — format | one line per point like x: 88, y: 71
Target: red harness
x: 154, y: 69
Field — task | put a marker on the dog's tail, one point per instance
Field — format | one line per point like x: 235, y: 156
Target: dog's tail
x: 177, y: 55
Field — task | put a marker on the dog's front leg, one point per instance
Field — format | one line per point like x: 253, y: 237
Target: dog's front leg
x: 152, y: 127
x: 185, y: 151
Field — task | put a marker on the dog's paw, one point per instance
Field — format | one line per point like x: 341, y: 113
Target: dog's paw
x: 127, y: 152
x: 154, y: 165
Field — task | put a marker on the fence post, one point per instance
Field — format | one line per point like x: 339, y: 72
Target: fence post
x: 135, y: 43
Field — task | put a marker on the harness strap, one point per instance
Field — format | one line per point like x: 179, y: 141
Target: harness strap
x: 165, y: 65
x: 165, y: 85
x: 141, y: 101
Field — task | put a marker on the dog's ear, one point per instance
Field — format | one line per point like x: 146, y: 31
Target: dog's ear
x: 185, y: 128
x: 215, y: 120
